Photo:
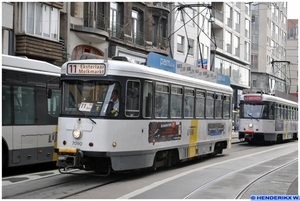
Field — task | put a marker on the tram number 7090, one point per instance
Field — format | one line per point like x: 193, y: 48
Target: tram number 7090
x: 75, y: 143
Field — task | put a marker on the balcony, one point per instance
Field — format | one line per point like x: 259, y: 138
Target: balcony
x: 160, y: 43
x: 138, y: 37
x: 37, y: 47
x: 117, y: 31
x: 97, y: 22
x: 218, y: 15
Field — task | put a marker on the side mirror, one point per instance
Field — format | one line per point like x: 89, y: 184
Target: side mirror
x: 49, y: 93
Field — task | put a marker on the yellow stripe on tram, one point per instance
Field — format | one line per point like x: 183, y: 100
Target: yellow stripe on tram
x: 54, y: 157
x: 193, y: 138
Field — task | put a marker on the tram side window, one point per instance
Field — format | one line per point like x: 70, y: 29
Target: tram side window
x: 24, y: 105
x: 6, y: 105
x: 132, y: 99
x: 286, y: 112
x: 161, y: 100
x: 271, y: 110
x: 54, y: 103
x: 176, y: 101
x: 147, y: 99
x: 200, y: 101
x: 226, y: 107
x: 277, y: 111
x: 218, y: 106
x: 189, y: 98
x: 209, y: 105
x: 282, y: 112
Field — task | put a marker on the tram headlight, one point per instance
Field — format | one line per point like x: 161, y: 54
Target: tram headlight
x: 76, y: 134
x: 250, y: 125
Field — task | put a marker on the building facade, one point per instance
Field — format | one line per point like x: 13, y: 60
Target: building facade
x: 231, y: 33
x: 269, y: 64
x: 292, y: 54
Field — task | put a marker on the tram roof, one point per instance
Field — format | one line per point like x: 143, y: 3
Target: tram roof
x: 124, y: 68
x: 267, y: 97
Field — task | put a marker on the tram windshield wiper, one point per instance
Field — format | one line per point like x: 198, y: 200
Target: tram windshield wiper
x: 252, y: 116
x: 84, y: 114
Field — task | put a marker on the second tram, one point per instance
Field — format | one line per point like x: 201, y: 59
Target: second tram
x: 163, y: 118
x: 267, y: 118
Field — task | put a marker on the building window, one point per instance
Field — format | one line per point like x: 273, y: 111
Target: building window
x: 159, y: 32
x: 94, y: 15
x: 228, y: 14
x: 191, y: 47
x: 228, y: 42
x: 237, y: 21
x: 180, y: 44
x: 247, y: 28
x: 137, y: 34
x: 191, y: 14
x: 41, y: 20
x: 247, y: 51
x: 293, y: 32
x: 236, y: 46
x: 81, y: 49
x: 254, y: 42
x: 116, y: 24
x: 254, y: 61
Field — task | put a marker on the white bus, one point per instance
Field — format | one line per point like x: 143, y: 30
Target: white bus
x: 163, y: 118
x: 29, y: 119
x: 267, y: 118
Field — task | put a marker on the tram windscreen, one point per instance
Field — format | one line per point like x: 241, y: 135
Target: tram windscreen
x: 90, y: 98
x: 257, y: 111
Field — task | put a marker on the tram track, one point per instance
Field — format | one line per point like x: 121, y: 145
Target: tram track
x: 214, y: 182
x: 249, y: 185
x: 63, y: 187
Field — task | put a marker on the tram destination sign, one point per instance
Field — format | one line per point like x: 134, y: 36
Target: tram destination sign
x: 86, y: 69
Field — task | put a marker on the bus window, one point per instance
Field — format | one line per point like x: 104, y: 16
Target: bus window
x: 176, y: 101
x: 147, y: 99
x: 6, y: 105
x: 132, y: 99
x: 200, y: 101
x: 54, y: 103
x: 24, y: 105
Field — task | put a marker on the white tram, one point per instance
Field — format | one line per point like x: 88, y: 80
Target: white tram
x: 163, y: 118
x: 266, y: 118
x: 29, y: 119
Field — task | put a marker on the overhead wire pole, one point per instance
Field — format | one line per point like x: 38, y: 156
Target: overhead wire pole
x: 284, y: 73
x: 181, y: 8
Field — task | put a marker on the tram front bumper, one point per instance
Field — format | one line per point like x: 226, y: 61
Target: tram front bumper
x: 69, y: 157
